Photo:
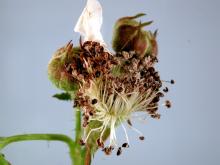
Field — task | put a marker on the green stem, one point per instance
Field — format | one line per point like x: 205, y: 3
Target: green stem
x: 4, y: 141
x: 78, y: 159
x: 78, y: 128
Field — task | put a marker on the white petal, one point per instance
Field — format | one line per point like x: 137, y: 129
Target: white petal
x: 90, y: 22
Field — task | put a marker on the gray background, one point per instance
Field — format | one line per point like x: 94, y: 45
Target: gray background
x: 189, y: 42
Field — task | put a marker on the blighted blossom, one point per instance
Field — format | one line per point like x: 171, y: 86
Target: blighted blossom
x: 111, y: 88
x: 113, y: 98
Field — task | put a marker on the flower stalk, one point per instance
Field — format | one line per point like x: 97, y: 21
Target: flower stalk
x: 79, y: 151
x: 79, y: 155
x: 5, y: 141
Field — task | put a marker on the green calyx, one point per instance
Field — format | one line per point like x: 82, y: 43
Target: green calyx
x: 57, y: 71
x: 94, y: 136
x: 129, y: 36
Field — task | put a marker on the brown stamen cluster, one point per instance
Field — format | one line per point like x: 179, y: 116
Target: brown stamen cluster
x: 92, y: 62
x: 140, y: 74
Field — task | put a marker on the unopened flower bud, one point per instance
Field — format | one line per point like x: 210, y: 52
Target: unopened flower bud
x: 130, y: 36
x: 58, y: 71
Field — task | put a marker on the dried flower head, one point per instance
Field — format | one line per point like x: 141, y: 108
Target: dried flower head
x: 111, y: 99
x: 110, y: 89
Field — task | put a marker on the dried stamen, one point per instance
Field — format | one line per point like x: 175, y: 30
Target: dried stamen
x: 119, y: 151
x: 81, y: 142
x: 167, y: 103
x: 165, y: 89
x: 141, y: 138
x: 100, y: 143
x: 125, y: 145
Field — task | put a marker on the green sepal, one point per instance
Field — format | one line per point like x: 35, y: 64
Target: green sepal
x: 94, y: 136
x: 57, y: 72
x: 65, y: 96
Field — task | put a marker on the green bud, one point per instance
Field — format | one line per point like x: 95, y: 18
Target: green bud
x: 141, y: 43
x: 57, y: 71
x: 130, y: 36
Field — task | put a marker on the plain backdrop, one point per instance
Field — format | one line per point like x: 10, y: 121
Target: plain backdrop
x: 189, y: 46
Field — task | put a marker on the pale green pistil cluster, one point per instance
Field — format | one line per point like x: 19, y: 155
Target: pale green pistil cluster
x: 114, y: 109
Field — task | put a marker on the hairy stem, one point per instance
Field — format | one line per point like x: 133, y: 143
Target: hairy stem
x: 78, y: 128
x: 4, y: 141
x: 83, y: 154
x: 78, y: 156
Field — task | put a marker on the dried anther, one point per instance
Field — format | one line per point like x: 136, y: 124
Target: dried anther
x: 141, y: 138
x: 166, y: 89
x: 94, y: 101
x: 85, y: 123
x: 119, y: 151
x: 81, y: 142
x: 160, y: 94
x: 156, y: 116
x: 172, y: 81
x: 167, y: 103
x: 107, y: 150
x: 97, y: 73
x: 125, y: 145
x: 129, y: 122
x: 100, y: 143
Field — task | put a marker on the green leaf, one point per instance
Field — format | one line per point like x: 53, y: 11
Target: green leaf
x: 63, y: 96
x: 3, y: 161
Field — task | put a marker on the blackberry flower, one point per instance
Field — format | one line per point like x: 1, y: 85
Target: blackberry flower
x: 110, y: 88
